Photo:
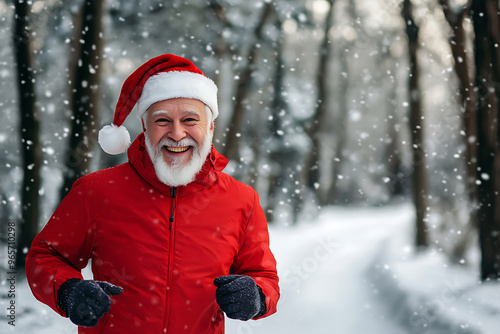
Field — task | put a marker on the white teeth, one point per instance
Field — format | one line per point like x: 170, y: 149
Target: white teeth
x: 177, y: 149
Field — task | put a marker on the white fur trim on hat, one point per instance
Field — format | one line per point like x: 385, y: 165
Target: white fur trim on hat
x: 114, y: 139
x: 178, y: 84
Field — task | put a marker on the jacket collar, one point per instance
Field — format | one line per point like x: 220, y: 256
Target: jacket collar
x: 206, y: 177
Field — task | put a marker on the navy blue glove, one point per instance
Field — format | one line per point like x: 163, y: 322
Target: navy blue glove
x: 239, y: 297
x: 86, y: 301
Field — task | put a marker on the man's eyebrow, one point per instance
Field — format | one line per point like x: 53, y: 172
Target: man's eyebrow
x: 184, y: 113
x: 191, y: 112
x: 160, y: 112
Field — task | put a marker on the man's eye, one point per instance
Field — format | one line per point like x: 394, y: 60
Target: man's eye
x: 190, y: 120
x: 161, y: 120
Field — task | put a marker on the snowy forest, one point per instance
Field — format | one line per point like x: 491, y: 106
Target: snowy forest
x: 347, y: 116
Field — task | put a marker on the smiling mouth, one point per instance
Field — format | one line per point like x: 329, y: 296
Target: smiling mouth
x: 174, y: 149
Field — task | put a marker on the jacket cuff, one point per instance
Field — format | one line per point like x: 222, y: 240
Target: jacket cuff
x: 263, y: 307
x: 63, y: 293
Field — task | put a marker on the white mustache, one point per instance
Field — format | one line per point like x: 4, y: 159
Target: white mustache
x: 173, y: 143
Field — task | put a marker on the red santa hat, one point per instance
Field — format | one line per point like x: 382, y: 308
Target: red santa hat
x: 161, y: 78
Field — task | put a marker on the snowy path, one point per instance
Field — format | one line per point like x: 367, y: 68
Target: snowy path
x: 323, y: 269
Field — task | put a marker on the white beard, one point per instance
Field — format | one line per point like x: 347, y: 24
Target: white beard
x: 175, y: 174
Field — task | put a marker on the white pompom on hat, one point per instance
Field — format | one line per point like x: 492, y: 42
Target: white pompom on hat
x: 114, y: 139
x: 161, y: 78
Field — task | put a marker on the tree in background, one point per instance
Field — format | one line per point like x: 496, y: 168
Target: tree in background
x: 316, y: 126
x: 219, y: 20
x: 86, y: 57
x: 29, y: 130
x: 244, y: 82
x: 343, y: 108
x: 485, y: 16
x: 341, y: 129
x: 467, y: 101
x: 419, y: 178
x: 283, y: 158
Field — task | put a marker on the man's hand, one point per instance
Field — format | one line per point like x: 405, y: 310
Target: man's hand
x: 86, y: 301
x: 239, y: 297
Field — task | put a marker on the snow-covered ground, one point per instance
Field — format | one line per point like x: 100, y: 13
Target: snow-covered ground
x: 350, y: 271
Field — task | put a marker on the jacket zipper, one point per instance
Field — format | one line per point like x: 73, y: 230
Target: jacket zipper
x: 173, y: 195
x: 171, y: 227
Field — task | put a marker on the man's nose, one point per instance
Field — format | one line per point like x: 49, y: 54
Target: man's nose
x: 177, y: 131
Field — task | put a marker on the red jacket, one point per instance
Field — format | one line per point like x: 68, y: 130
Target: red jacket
x: 163, y: 248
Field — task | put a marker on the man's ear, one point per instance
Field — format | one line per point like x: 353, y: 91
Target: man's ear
x: 212, y: 126
x: 143, y: 126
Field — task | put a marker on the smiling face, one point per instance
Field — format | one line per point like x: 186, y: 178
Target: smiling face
x: 178, y: 138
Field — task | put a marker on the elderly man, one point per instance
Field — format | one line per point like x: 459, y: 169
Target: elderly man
x: 174, y: 241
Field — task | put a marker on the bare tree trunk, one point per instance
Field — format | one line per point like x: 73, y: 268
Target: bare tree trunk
x: 243, y: 89
x: 282, y: 157
x: 84, y: 93
x: 341, y: 130
x: 277, y: 159
x: 252, y: 176
x: 419, y: 178
x: 221, y: 53
x: 486, y: 25
x: 220, y: 45
x: 493, y: 13
x: 395, y: 171
x: 29, y: 131
x: 312, y: 168
x: 455, y: 18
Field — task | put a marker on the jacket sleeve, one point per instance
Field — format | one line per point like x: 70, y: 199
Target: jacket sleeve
x: 255, y: 258
x: 62, y: 249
